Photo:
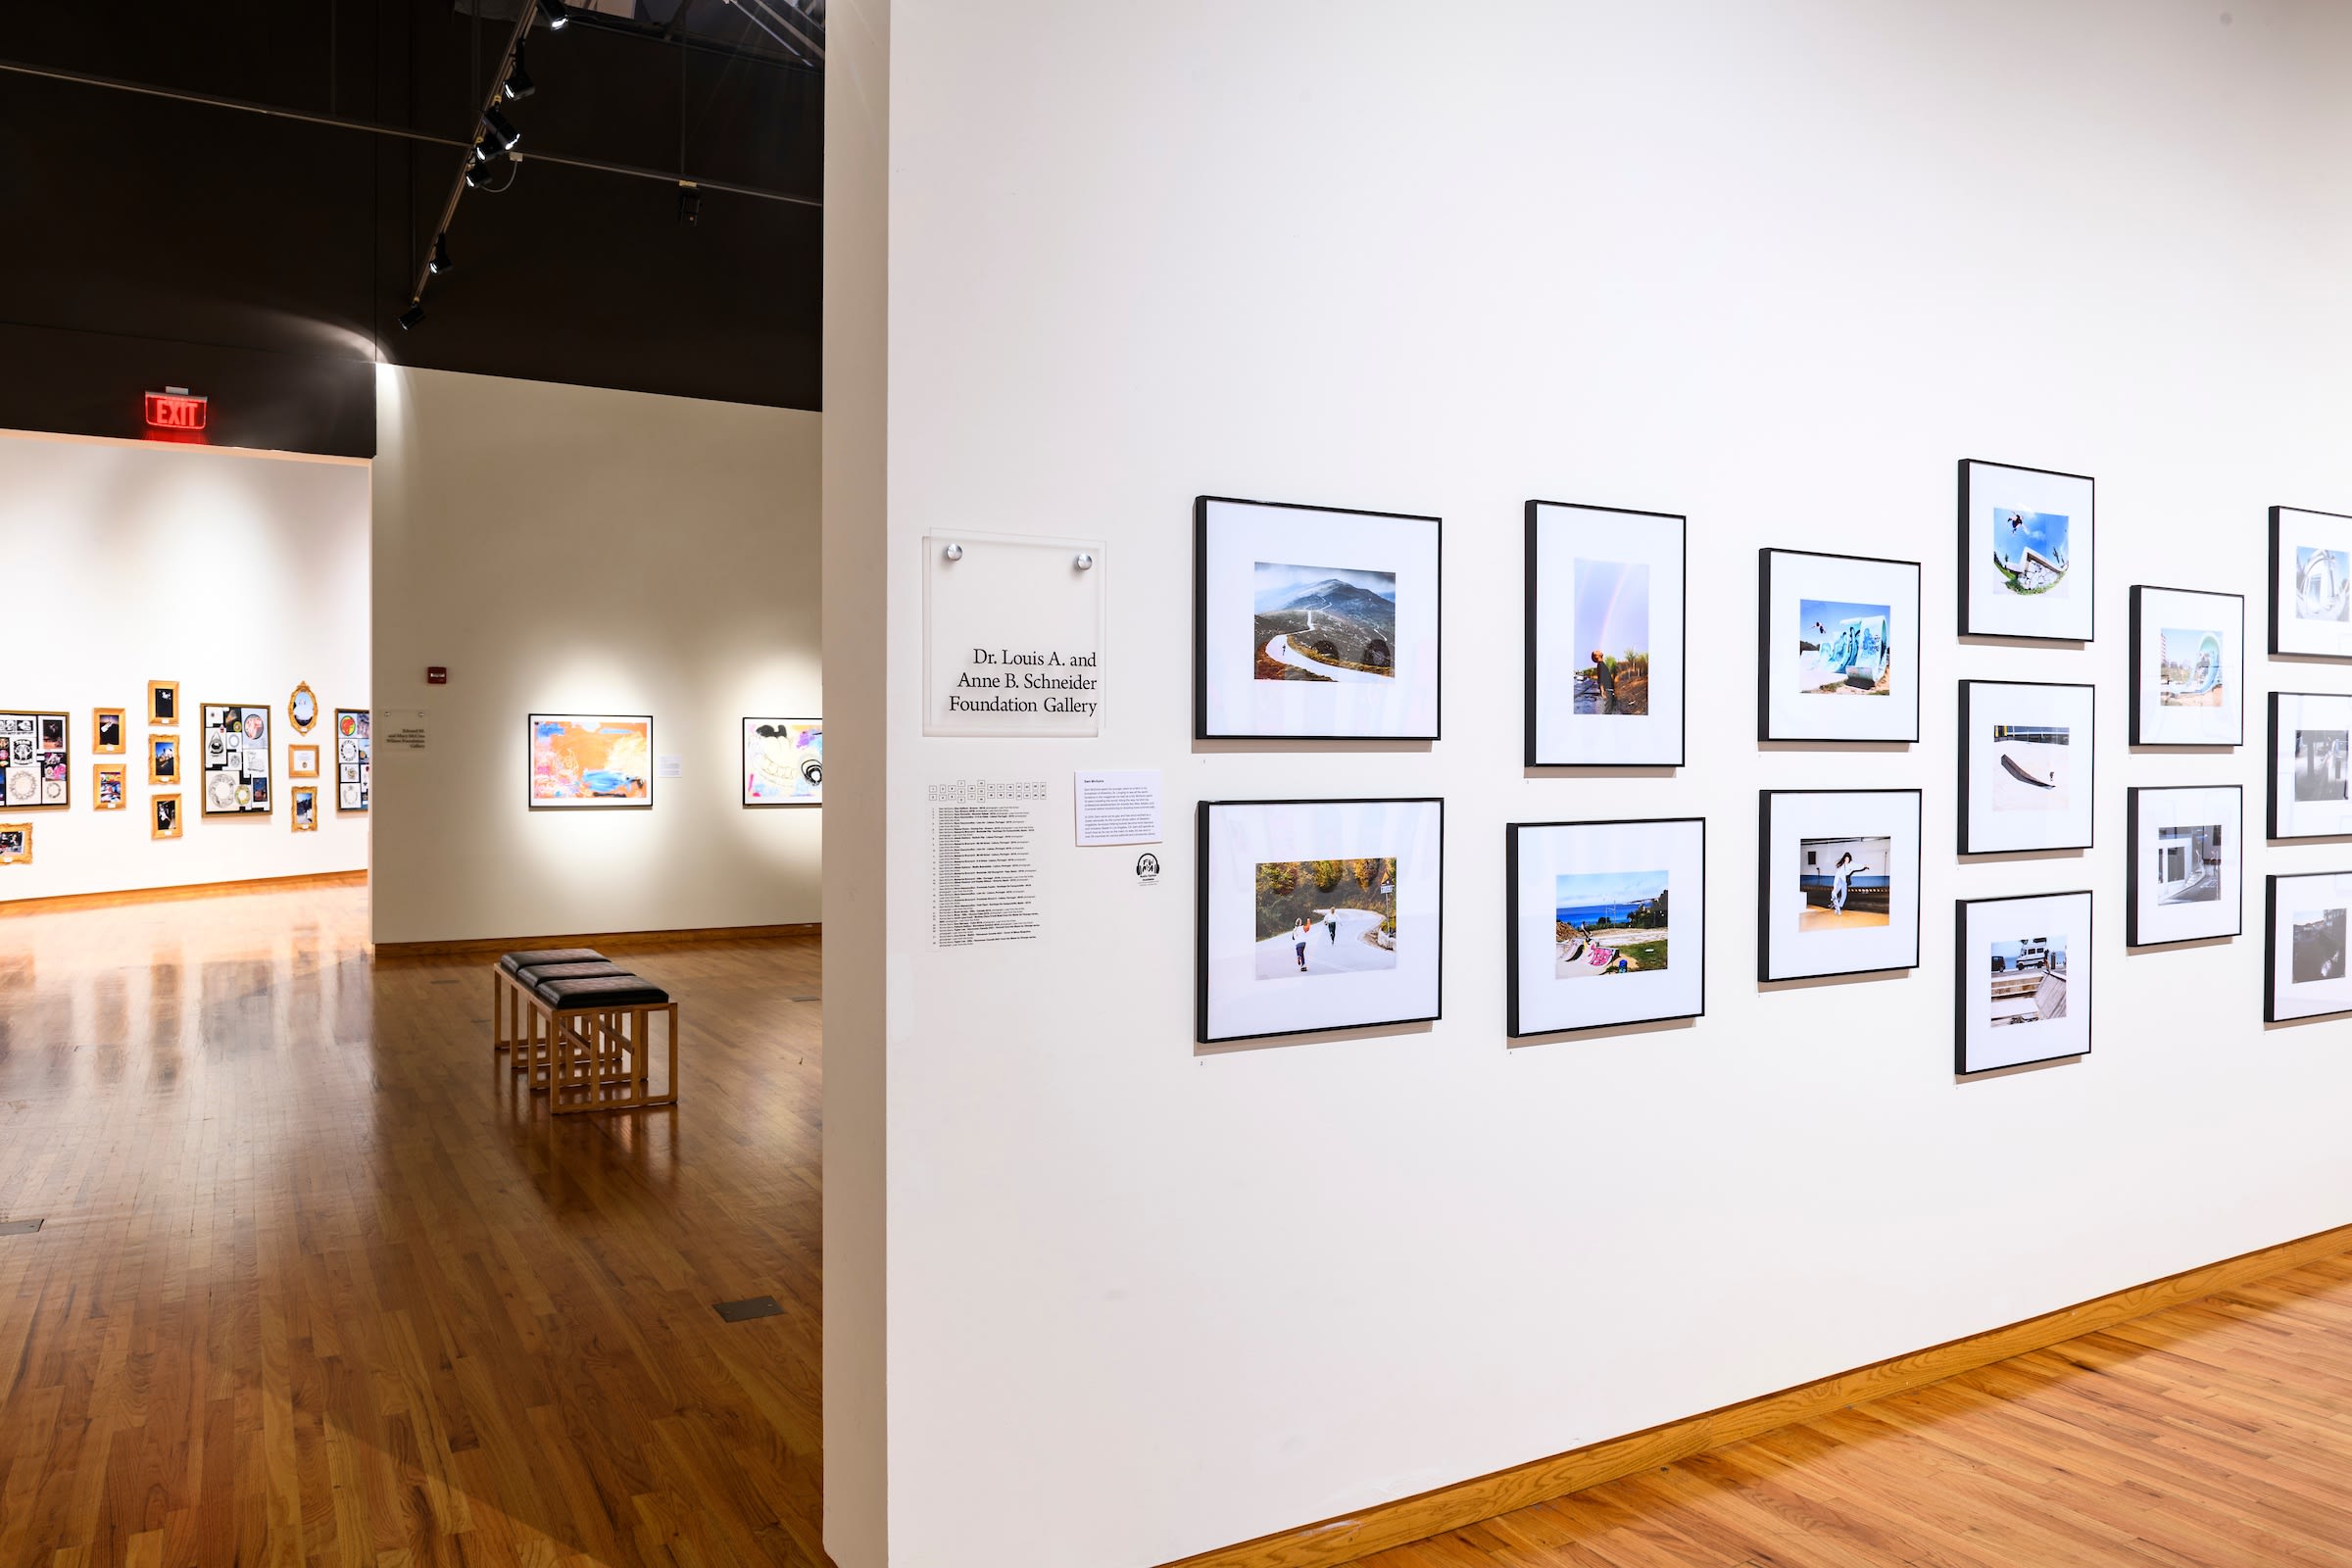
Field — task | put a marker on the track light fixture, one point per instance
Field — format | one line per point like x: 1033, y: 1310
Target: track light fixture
x: 486, y: 163
x: 690, y: 203
x: 501, y: 130
x: 519, y: 82
x: 555, y: 12
x: 441, y: 262
x: 412, y: 316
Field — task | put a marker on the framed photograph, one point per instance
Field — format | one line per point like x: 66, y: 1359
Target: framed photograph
x: 109, y: 789
x: 2028, y: 768
x: 163, y: 812
x: 590, y: 761
x: 1837, y: 655
x: 37, y: 767
x: 783, y: 761
x: 2024, y: 989
x: 2311, y: 583
x: 306, y: 807
x: 107, y: 730
x: 15, y: 843
x: 163, y: 703
x: 1318, y: 914
x: 355, y: 759
x: 1313, y: 623
x: 163, y: 759
x: 1594, y: 940
x: 2308, y: 920
x: 2185, y: 880
x: 2027, y: 568
x: 1838, y: 883
x: 302, y: 762
x: 302, y: 709
x: 1605, y: 636
x: 236, y: 738
x: 2310, y: 766
x: 2188, y: 667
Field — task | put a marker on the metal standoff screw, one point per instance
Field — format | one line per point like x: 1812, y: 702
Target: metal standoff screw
x: 1086, y: 560
x: 953, y: 551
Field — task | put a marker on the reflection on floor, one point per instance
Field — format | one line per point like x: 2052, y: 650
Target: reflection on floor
x: 317, y: 1283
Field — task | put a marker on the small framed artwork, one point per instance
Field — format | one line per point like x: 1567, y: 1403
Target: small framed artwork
x: 2027, y: 568
x: 165, y: 815
x: 108, y: 787
x: 2308, y: 919
x: 2188, y: 667
x: 302, y: 762
x: 1313, y: 623
x: 355, y: 759
x: 586, y: 761
x: 1839, y: 648
x: 107, y: 731
x: 15, y: 843
x: 2311, y: 583
x: 2310, y: 766
x: 302, y: 709
x: 1594, y: 937
x: 1317, y: 915
x: 1838, y: 883
x: 306, y: 807
x: 236, y: 761
x: 37, y: 767
x: 163, y: 759
x: 2024, y: 989
x: 2185, y: 880
x: 2028, y: 769
x: 1605, y: 636
x: 783, y: 761
x: 163, y: 703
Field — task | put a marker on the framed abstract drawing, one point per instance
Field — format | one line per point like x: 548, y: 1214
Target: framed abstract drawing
x: 2311, y: 583
x: 355, y: 759
x: 1838, y: 883
x: 163, y: 816
x: 2306, y: 921
x: 2022, y: 991
x: 163, y: 703
x: 2027, y: 566
x: 1606, y: 923
x: 2186, y: 878
x: 1837, y: 655
x: 1605, y: 636
x: 2188, y: 667
x: 2028, y: 769
x: 236, y: 761
x: 107, y: 786
x: 1313, y: 623
x: 107, y: 731
x: 38, y: 765
x: 2310, y: 766
x: 1318, y: 914
x: 783, y: 761
x: 591, y: 760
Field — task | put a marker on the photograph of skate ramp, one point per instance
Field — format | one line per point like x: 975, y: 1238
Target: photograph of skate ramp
x: 2028, y: 981
x: 2035, y: 772
x: 2188, y: 864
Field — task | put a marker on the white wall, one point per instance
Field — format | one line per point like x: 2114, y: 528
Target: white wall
x: 239, y: 575
x: 565, y: 549
x: 1776, y: 265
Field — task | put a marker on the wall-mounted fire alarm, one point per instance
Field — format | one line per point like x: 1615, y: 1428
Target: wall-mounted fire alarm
x: 436, y: 675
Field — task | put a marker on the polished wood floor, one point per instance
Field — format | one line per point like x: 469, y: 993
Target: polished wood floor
x: 317, y: 1285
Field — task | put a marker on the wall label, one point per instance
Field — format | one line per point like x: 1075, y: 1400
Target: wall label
x: 1012, y: 635
x: 401, y: 728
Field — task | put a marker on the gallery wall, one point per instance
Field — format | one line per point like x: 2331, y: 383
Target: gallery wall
x: 1774, y: 266
x: 566, y: 549
x: 237, y: 575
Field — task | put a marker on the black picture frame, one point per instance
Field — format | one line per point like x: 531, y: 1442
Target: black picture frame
x: 1961, y: 993
x: 237, y: 776
x: 1967, y: 602
x: 1530, y: 670
x: 35, y: 727
x: 1764, y: 638
x: 2131, y: 862
x: 1200, y: 870
x: 1510, y: 945
x: 2269, y: 950
x: 2137, y: 632
x: 530, y: 742
x: 2278, y: 570
x: 1201, y: 505
x: 2274, y: 771
x: 1966, y: 704
x: 1765, y: 799
x: 367, y: 763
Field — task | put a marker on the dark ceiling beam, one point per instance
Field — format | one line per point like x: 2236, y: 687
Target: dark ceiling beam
x: 671, y: 34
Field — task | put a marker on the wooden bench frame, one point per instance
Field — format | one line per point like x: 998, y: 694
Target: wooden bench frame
x: 599, y: 1058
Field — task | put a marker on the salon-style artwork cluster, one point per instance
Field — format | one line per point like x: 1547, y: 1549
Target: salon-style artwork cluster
x: 1319, y: 623
x: 226, y: 757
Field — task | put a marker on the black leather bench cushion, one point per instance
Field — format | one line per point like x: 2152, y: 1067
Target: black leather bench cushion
x: 532, y: 973
x: 540, y: 956
x: 600, y: 991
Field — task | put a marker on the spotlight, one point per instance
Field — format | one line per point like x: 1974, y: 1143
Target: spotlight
x: 441, y: 262
x: 412, y: 316
x: 555, y: 12
x: 502, y: 129
x: 690, y: 203
x: 519, y: 82
x: 478, y: 173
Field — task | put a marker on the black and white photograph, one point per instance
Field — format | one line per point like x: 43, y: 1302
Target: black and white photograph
x: 2027, y: 566
x: 1606, y: 921
x: 236, y: 761
x: 2028, y: 776
x: 2310, y: 766
x: 1606, y: 637
x: 1314, y: 623
x: 2024, y: 977
x: 1838, y: 646
x: 2186, y: 878
x: 1838, y: 882
x: 2311, y: 583
x: 37, y: 767
x: 2188, y: 667
x: 2308, y: 920
x: 1318, y: 916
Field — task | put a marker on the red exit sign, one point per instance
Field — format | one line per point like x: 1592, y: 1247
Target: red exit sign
x: 175, y: 409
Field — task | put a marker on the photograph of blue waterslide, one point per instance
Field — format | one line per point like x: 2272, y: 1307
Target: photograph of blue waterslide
x: 2188, y: 667
x: 1838, y: 647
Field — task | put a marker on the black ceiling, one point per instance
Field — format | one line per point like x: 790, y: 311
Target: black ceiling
x: 147, y: 216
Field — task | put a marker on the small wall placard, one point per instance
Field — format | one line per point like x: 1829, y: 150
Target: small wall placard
x: 1012, y: 635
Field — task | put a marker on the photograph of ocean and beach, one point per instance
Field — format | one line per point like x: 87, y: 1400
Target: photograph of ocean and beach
x: 1612, y: 637
x: 1317, y: 918
x: 1609, y: 922
x: 1324, y: 624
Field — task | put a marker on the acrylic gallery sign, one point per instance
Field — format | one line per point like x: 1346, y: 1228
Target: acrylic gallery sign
x: 1012, y: 635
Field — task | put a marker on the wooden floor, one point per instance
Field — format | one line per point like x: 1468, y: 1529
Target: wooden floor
x: 317, y: 1285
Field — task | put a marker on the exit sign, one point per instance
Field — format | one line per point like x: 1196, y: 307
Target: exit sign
x: 174, y: 408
